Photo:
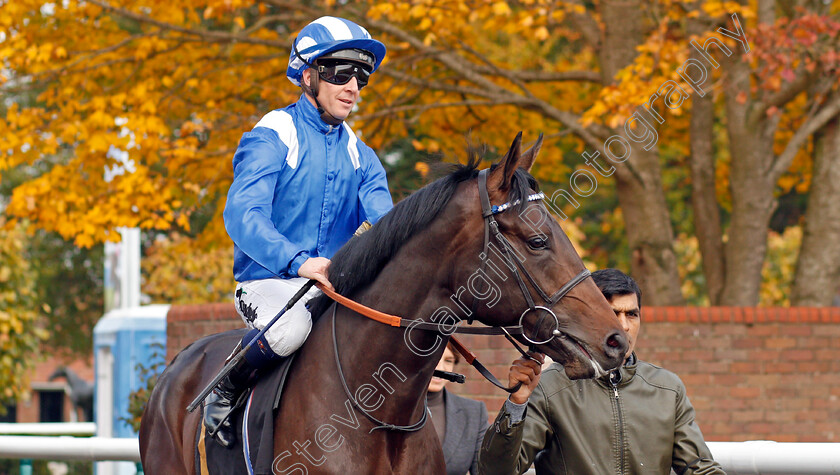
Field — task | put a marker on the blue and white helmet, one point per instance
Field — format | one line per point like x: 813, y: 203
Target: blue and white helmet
x: 328, y: 34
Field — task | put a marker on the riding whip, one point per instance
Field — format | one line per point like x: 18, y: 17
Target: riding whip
x: 241, y: 353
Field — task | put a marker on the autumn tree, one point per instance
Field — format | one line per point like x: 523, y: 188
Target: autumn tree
x: 52, y: 285
x: 149, y: 108
x: 643, y: 58
x: 806, y: 59
x: 578, y: 50
x: 177, y: 271
x: 163, y: 90
x: 143, y: 103
x: 67, y: 280
x: 778, y: 78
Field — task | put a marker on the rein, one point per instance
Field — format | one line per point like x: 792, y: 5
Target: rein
x: 398, y: 322
x: 395, y: 321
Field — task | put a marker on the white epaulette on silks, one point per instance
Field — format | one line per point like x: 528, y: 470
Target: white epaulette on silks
x: 352, y: 146
x: 281, y: 122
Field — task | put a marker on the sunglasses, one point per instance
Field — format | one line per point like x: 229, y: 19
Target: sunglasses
x: 341, y: 73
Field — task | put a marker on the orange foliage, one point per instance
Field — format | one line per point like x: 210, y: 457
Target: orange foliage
x: 126, y: 113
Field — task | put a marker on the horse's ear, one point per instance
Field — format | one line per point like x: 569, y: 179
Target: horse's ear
x: 502, y: 175
x: 528, y: 157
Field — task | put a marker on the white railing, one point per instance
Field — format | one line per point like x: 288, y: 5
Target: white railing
x: 29, y: 443
x: 47, y: 428
x: 760, y: 457
x: 765, y: 457
x: 68, y: 448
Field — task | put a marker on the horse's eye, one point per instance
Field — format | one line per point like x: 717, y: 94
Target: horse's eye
x: 537, y: 242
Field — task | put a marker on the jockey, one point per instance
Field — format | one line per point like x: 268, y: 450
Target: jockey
x: 303, y: 182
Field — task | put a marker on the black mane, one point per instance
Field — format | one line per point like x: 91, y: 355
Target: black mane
x: 361, y: 259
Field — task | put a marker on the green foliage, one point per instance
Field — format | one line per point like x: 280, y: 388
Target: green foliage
x: 687, y: 249
x: 407, y: 167
x: 69, y: 281
x: 148, y: 378
x: 20, y: 333
x: 780, y: 266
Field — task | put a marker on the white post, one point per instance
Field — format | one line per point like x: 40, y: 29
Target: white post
x: 105, y: 403
x: 131, y: 267
x: 122, y: 271
x: 122, y: 291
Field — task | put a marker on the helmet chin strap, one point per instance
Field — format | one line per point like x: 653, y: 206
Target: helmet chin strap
x: 313, y: 91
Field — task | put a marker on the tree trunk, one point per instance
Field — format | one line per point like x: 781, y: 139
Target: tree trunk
x: 639, y: 179
x: 766, y: 11
x: 818, y: 267
x: 751, y: 185
x: 752, y: 206
x: 649, y: 233
x: 703, y: 197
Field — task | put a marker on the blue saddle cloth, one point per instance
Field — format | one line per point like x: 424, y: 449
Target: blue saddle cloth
x: 257, y: 457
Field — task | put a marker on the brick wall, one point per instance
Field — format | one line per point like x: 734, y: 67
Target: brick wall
x: 751, y: 373
x: 28, y: 408
x: 187, y: 323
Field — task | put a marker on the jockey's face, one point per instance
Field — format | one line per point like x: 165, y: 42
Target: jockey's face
x: 337, y: 100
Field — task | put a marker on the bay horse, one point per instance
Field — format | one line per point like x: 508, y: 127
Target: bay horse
x: 354, y: 400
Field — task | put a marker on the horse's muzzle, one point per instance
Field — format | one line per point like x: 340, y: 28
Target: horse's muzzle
x: 615, y: 347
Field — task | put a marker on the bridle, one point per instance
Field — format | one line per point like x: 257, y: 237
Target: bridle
x: 491, y: 226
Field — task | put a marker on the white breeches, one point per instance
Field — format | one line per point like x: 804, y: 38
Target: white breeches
x: 258, y: 301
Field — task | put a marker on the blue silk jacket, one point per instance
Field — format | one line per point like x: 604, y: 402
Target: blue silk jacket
x: 300, y: 189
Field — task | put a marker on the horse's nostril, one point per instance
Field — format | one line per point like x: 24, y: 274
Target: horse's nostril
x: 616, y: 341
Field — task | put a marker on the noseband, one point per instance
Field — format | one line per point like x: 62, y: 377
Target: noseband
x: 491, y: 226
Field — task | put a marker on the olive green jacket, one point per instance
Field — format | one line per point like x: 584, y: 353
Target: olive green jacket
x: 644, y: 424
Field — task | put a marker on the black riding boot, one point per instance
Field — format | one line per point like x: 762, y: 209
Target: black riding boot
x: 220, y: 404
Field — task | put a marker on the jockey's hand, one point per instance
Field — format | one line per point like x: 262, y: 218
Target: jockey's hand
x: 316, y: 268
x: 527, y: 371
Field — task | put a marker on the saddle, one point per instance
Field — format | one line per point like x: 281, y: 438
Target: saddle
x: 253, y: 452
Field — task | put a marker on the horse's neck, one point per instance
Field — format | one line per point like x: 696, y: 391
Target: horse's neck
x: 398, y: 361
x: 376, y: 357
x: 73, y: 380
x: 413, y: 285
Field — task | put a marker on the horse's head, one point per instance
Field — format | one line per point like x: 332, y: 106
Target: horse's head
x: 529, y: 273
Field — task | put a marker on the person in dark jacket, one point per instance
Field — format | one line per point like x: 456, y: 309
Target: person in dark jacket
x: 636, y: 419
x: 460, y: 422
